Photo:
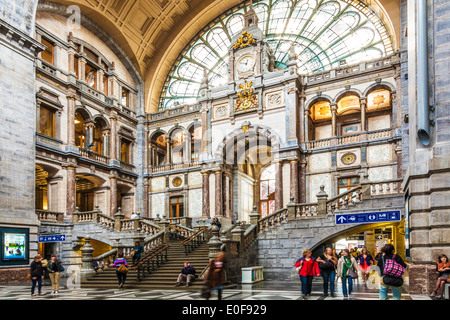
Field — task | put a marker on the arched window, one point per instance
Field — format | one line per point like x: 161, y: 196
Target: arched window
x: 97, y: 138
x: 80, y: 130
x: 325, y: 34
x: 178, y: 145
x: 196, y: 142
x: 267, y: 191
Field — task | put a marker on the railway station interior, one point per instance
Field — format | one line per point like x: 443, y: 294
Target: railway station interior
x: 298, y: 124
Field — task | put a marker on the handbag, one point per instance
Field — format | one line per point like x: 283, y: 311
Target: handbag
x: 392, y: 281
x: 352, y: 273
x: 29, y: 276
x: 393, y: 268
x: 123, y: 268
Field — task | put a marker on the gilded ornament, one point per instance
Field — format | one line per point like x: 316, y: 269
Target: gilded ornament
x: 246, y: 98
x: 244, y: 40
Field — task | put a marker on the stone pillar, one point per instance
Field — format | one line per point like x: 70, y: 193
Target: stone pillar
x: 306, y: 125
x: 113, y: 194
x: 322, y: 201
x: 71, y: 189
x: 294, y: 180
x: 214, y: 243
x: 302, y: 115
x: 118, y: 216
x: 82, y: 68
x: 218, y: 194
x: 254, y: 215
x: 279, y: 184
x: 205, y: 195
x: 113, y: 137
x: 71, y: 119
x: 87, y: 259
x: 333, y: 119
x: 302, y: 181
x: 169, y: 150
x: 369, y: 240
x: 363, y: 114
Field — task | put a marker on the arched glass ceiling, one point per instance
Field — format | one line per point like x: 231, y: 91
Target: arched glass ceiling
x: 324, y: 32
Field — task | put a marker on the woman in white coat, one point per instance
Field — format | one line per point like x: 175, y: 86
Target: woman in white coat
x: 347, y: 269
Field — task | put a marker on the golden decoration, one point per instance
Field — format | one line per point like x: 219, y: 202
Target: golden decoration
x: 244, y: 40
x: 176, y: 182
x: 246, y: 98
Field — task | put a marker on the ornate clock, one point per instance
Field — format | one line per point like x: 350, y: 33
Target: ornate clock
x: 246, y: 63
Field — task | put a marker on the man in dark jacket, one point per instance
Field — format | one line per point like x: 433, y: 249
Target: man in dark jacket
x: 187, y: 273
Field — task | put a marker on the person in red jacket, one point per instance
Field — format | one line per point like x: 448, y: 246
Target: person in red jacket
x: 307, y: 268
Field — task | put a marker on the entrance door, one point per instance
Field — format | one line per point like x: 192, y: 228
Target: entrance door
x: 176, y: 207
x: 267, y: 191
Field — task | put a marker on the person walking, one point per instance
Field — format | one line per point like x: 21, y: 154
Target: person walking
x: 347, y: 270
x: 216, y: 275
x: 387, y: 279
x: 443, y: 268
x: 187, y: 273
x: 37, y: 274
x: 138, y: 250
x: 54, y: 269
x: 327, y: 266
x: 307, y: 268
x: 365, y: 260
x: 121, y: 272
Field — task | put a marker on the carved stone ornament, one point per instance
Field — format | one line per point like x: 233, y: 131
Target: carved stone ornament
x: 176, y: 182
x: 246, y: 98
x: 348, y: 158
x: 244, y: 40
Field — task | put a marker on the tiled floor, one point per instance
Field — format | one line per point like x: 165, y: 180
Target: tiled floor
x: 266, y: 290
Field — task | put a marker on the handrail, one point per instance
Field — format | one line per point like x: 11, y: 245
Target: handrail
x: 193, y: 241
x: 161, y: 256
x: 193, y: 236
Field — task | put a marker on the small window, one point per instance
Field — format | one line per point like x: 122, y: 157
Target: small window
x: 125, y: 97
x: 125, y: 146
x: 48, y: 54
x: 176, y: 207
x: 47, y: 122
x: 345, y: 184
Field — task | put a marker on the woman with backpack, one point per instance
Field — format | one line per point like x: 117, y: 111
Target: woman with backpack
x: 347, y: 270
x: 121, y: 264
x: 391, y: 268
x: 327, y: 266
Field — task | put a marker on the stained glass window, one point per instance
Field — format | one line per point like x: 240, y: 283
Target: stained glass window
x: 324, y: 33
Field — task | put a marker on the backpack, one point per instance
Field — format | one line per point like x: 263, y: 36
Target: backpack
x: 393, y: 268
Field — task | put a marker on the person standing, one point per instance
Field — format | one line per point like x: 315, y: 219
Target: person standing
x: 54, y: 267
x: 121, y: 272
x: 365, y: 260
x: 307, y: 268
x: 443, y: 268
x: 387, y: 253
x: 347, y: 270
x: 327, y: 266
x: 37, y: 274
x: 216, y: 275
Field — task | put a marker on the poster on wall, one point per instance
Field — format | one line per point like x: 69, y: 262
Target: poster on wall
x: 14, y: 245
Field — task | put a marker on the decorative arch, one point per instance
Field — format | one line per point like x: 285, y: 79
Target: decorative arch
x: 379, y: 85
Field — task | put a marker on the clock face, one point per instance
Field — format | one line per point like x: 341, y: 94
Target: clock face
x: 246, y: 63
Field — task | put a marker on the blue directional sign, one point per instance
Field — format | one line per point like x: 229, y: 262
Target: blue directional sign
x: 368, y: 217
x: 52, y: 238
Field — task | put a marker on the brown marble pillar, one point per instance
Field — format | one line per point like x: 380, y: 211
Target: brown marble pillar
x: 218, y: 194
x: 113, y: 144
x: 278, y: 185
x: 363, y: 114
x: 294, y: 180
x: 71, y: 190
x: 71, y: 119
x: 302, y: 181
x: 205, y: 195
x: 113, y: 195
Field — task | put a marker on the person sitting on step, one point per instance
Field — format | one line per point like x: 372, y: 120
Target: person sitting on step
x: 187, y: 273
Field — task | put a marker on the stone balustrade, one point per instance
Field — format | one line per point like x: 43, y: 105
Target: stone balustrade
x: 49, y: 216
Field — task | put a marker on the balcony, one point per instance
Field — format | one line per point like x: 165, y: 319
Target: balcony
x: 172, y: 166
x: 85, y: 153
x: 349, y: 139
x: 52, y: 142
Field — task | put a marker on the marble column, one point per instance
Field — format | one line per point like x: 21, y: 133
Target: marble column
x: 205, y: 195
x: 302, y: 181
x: 113, y: 195
x: 363, y: 114
x: 218, y: 193
x: 306, y: 125
x: 279, y: 185
x: 71, y: 189
x: 302, y: 115
x: 294, y: 180
x: 113, y: 137
x: 71, y: 119
x: 333, y: 119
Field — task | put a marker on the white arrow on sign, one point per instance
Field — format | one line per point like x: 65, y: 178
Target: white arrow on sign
x: 342, y: 219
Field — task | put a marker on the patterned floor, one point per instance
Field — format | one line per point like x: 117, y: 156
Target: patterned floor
x: 266, y: 290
